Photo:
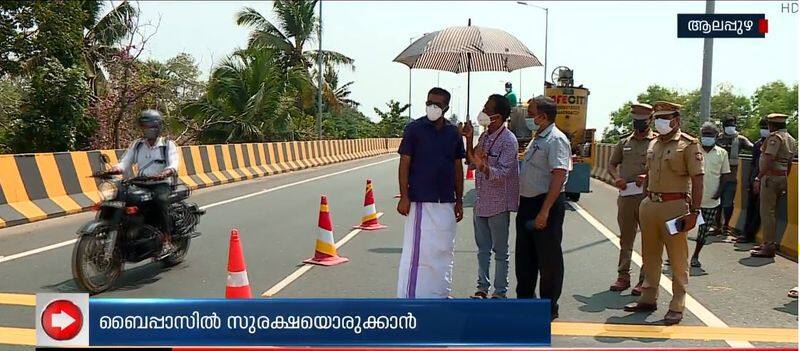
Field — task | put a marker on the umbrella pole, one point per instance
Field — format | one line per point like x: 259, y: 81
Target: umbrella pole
x: 469, y: 68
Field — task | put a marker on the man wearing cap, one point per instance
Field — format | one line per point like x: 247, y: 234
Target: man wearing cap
x: 776, y: 160
x: 674, y: 161
x: 733, y: 143
x: 626, y: 165
x: 512, y: 98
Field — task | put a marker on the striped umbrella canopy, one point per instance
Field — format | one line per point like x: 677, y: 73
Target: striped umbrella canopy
x: 468, y: 49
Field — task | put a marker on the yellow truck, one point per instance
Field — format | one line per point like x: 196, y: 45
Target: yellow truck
x: 571, y: 110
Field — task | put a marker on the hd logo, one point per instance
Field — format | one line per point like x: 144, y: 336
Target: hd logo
x: 62, y: 320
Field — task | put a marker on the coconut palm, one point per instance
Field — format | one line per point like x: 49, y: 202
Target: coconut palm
x: 249, y: 98
x: 102, y: 37
x: 296, y: 26
x: 334, y: 95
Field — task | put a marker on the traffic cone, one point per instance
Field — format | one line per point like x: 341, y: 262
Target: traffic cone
x: 325, y: 251
x: 370, y: 219
x: 470, y: 174
x: 238, y: 287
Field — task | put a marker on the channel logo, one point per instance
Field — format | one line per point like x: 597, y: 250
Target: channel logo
x: 62, y: 319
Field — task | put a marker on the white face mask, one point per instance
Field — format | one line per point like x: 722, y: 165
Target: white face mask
x: 708, y: 141
x: 508, y: 90
x: 730, y: 130
x: 663, y: 125
x: 531, y: 124
x: 433, y: 112
x: 484, y: 120
x: 764, y: 133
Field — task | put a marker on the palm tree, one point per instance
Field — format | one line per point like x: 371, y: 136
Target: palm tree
x: 249, y: 98
x: 102, y: 37
x: 296, y: 26
x: 334, y: 95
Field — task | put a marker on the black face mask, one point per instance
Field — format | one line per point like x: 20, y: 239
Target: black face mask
x: 640, y: 125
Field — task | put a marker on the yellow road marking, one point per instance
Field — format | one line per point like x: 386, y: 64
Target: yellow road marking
x: 17, y: 299
x: 25, y: 336
x: 781, y: 335
x: 17, y: 336
x: 307, y: 267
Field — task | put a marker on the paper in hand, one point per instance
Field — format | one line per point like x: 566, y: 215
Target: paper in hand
x: 631, y: 189
x: 674, y: 228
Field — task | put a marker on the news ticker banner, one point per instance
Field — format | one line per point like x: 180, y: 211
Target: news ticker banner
x: 77, y: 320
x: 722, y: 25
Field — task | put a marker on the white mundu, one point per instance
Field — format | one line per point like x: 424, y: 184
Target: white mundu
x: 426, y: 265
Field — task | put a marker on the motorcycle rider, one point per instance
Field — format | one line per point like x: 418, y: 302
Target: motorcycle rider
x: 156, y: 157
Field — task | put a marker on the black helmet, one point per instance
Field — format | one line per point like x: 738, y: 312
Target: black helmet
x: 151, y: 118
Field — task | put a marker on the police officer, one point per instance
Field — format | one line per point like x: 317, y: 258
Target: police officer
x: 776, y: 160
x: 733, y: 143
x: 626, y: 165
x: 674, y: 160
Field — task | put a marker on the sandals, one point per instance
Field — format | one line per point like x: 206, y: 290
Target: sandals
x: 479, y: 295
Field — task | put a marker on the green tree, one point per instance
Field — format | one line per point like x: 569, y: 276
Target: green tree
x: 393, y: 121
x: 348, y: 123
x: 773, y: 97
x: 52, y: 114
x: 12, y: 90
x: 295, y: 27
x: 249, y: 98
x: 102, y: 37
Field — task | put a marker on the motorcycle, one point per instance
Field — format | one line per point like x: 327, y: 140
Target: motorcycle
x: 121, y: 232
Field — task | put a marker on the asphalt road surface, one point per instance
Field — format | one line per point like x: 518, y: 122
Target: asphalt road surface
x: 735, y: 300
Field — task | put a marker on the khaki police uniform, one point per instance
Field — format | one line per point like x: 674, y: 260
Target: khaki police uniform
x: 672, y: 160
x: 630, y: 155
x: 782, y: 147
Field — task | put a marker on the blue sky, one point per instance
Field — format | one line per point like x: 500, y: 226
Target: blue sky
x: 616, y: 49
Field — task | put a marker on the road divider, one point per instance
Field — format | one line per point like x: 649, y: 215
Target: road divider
x: 39, y: 186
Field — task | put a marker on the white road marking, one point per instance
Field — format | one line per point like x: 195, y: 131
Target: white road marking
x: 224, y: 202
x: 35, y: 251
x: 307, y: 267
x: 692, y: 304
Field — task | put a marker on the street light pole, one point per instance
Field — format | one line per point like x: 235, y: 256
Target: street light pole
x: 319, y: 74
x: 705, y: 85
x: 546, y: 27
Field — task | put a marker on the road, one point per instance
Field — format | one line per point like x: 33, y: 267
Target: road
x: 736, y: 300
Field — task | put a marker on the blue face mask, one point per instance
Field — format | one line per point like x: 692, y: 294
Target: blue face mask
x: 531, y: 124
x: 708, y: 141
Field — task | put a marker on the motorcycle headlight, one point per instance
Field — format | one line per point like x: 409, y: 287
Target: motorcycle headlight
x: 108, y: 191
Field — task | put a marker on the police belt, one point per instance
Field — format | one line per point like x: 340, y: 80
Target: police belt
x: 664, y: 197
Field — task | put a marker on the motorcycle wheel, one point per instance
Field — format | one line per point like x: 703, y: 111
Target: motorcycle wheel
x: 181, y: 249
x: 87, y: 253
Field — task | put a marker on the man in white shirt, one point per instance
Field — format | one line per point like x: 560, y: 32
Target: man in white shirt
x: 716, y: 167
x: 155, y: 157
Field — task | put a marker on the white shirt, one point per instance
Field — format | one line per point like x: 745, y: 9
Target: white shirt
x: 147, y: 157
x: 715, y: 164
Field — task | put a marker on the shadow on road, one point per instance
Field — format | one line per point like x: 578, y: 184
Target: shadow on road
x: 789, y: 307
x: 697, y: 272
x: 130, y: 279
x: 756, y: 261
x: 605, y: 300
x: 598, y: 242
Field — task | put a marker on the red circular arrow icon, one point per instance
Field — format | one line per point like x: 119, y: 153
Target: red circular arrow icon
x: 62, y: 320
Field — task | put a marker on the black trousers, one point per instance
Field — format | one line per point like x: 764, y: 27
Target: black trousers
x: 538, y: 252
x: 752, y: 221
x: 159, y: 210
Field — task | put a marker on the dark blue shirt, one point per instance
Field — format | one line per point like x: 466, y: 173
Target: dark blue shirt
x: 433, y: 154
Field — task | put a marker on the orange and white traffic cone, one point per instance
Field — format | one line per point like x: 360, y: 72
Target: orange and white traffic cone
x: 238, y: 287
x: 370, y: 219
x: 325, y: 251
x: 470, y: 174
